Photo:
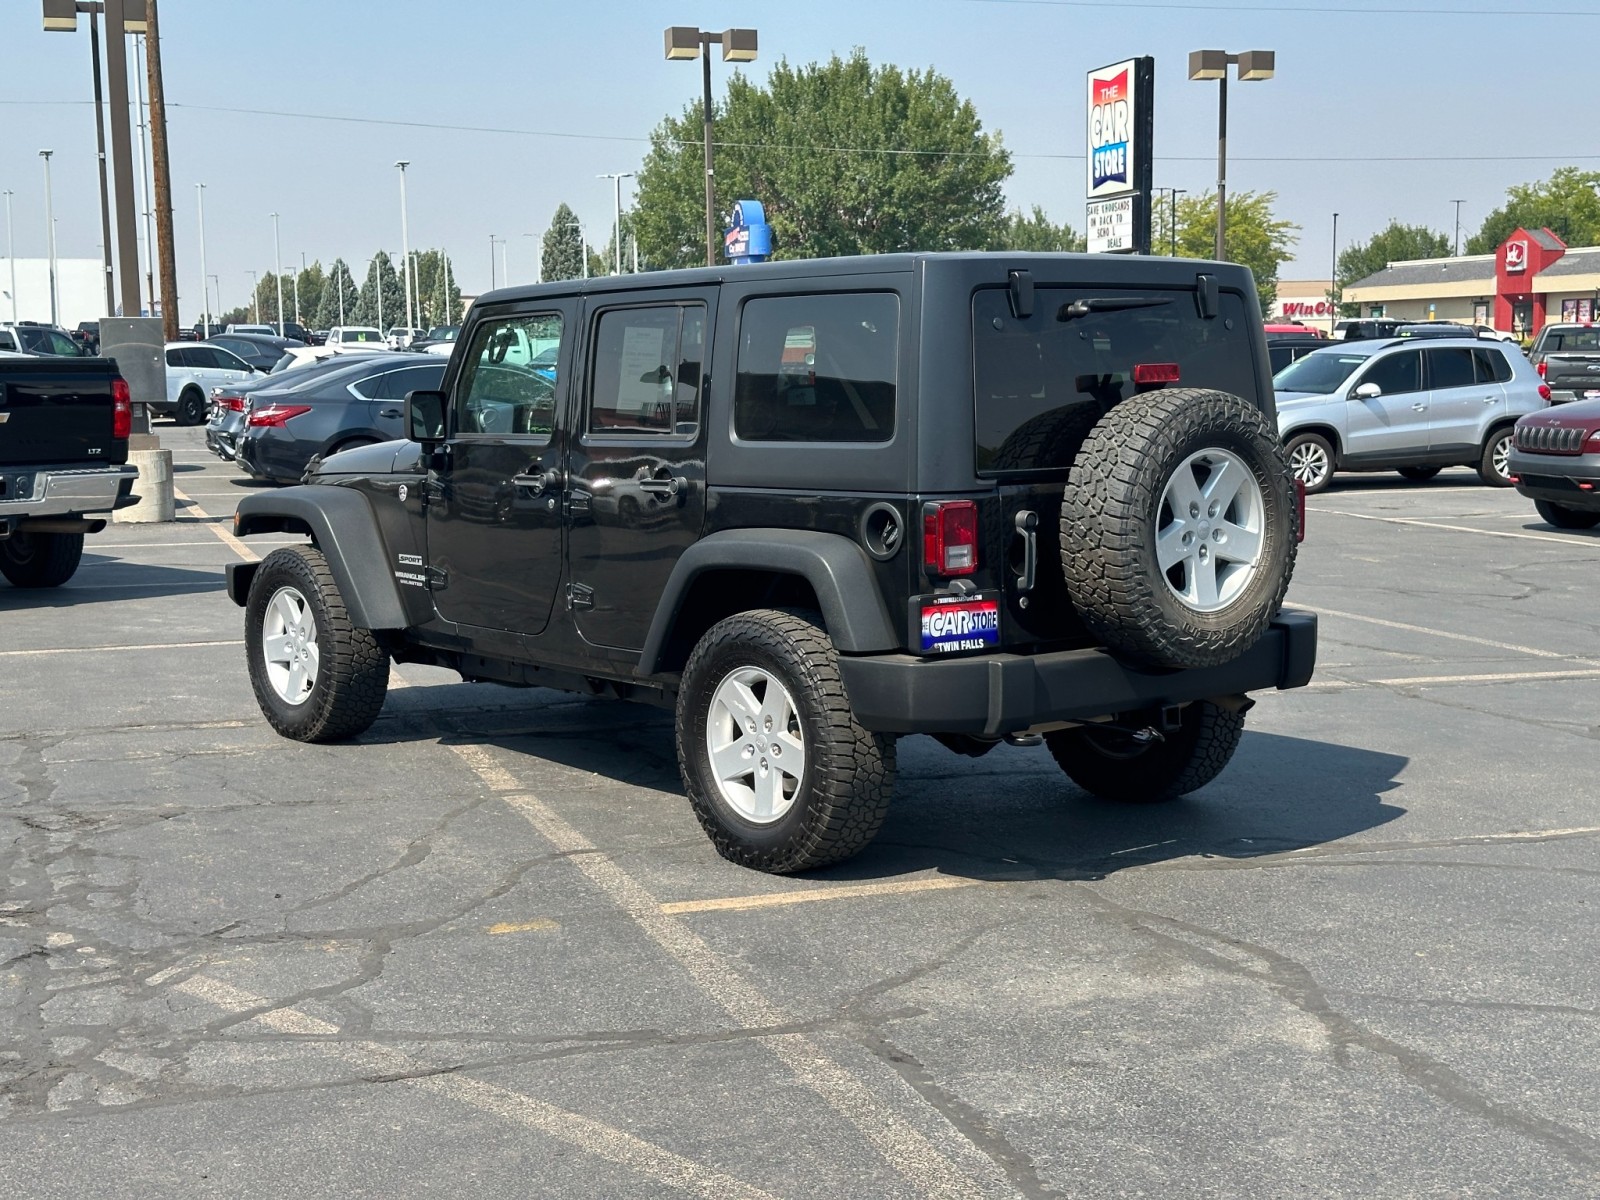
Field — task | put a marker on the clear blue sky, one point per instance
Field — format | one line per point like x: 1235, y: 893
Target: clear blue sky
x: 1373, y: 92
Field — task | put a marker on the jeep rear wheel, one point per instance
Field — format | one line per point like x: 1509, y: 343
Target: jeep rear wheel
x: 1178, y: 528
x: 317, y: 677
x: 780, y: 774
x: 1563, y: 517
x: 40, y: 560
x: 1119, y: 764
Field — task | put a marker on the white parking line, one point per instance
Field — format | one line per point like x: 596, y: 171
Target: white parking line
x: 1512, y: 677
x: 586, y: 1133
x: 1587, y: 543
x: 1442, y: 633
x: 112, y: 649
x: 902, y: 1145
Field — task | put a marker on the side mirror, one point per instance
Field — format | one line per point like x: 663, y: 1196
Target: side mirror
x: 425, y: 417
x: 1366, y: 391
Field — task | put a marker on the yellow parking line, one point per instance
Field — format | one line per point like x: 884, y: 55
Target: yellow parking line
x: 539, y: 926
x: 109, y: 649
x: 1513, y: 677
x: 898, y: 887
x: 233, y: 543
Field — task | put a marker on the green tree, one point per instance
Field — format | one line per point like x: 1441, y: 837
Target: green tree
x: 607, y: 255
x: 561, y: 251
x: 310, y: 283
x: 380, y: 301
x: 438, y: 294
x: 847, y: 158
x: 1394, y: 243
x: 1033, y: 232
x: 1566, y: 203
x: 1257, y: 238
x: 330, y: 311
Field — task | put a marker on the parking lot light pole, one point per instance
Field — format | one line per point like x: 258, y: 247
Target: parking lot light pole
x: 50, y: 230
x: 1458, y: 204
x: 686, y: 42
x: 255, y: 295
x: 1253, y: 65
x: 11, y: 256
x: 492, y: 240
x: 205, y: 295
x: 216, y: 285
x: 405, y: 241
x: 277, y: 270
x: 1333, y: 280
x: 616, y: 178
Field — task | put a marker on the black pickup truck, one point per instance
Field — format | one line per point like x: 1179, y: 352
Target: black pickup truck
x: 1568, y: 357
x: 64, y: 426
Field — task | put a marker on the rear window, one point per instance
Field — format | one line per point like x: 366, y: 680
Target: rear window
x: 1573, y: 339
x: 1492, y: 366
x: 817, y: 368
x: 1074, y: 357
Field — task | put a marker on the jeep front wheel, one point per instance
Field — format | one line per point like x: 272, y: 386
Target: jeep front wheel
x: 1142, y: 767
x: 1178, y: 528
x: 317, y: 677
x: 781, y: 775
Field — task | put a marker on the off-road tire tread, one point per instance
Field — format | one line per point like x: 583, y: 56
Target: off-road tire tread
x: 54, y: 559
x: 850, y: 770
x: 1108, y: 520
x: 1168, y: 772
x: 353, y: 669
x: 1563, y: 517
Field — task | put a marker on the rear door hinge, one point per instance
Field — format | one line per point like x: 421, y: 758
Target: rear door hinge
x: 580, y: 597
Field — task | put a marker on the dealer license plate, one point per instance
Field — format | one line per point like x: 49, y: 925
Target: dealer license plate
x: 950, y: 624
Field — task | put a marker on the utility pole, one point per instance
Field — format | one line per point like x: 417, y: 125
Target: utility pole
x: 205, y: 303
x: 405, y: 244
x: 144, y: 182
x: 122, y: 163
x: 1457, y: 203
x: 161, y: 167
x: 277, y: 270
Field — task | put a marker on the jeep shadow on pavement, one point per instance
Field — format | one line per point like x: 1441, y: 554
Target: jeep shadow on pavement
x: 813, y: 506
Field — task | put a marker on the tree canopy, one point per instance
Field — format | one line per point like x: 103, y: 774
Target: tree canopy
x: 1033, y: 232
x: 329, y: 311
x: 1394, y: 243
x: 1257, y: 238
x: 847, y: 158
x: 1566, y: 203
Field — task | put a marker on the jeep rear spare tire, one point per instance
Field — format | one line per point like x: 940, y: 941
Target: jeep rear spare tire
x: 781, y: 775
x: 1178, y: 528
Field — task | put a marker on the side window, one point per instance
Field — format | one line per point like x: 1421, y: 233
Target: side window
x: 646, y: 376
x: 1395, y: 373
x: 175, y: 358
x: 1491, y: 367
x: 393, y: 385
x: 500, y: 393
x: 1450, y: 367
x: 818, y: 368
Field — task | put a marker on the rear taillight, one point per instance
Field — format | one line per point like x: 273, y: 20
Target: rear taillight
x: 950, y: 537
x: 275, y: 415
x: 1299, y: 510
x: 1541, y: 370
x: 230, y: 403
x: 1154, y: 374
x: 1544, y: 391
x: 121, y: 409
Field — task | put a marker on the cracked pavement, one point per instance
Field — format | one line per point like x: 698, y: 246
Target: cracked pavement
x: 486, y: 951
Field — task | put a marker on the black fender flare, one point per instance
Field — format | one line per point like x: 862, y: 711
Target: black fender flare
x: 345, y: 529
x: 838, y: 570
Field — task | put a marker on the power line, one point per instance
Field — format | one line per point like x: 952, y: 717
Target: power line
x: 1292, y: 9
x: 888, y: 151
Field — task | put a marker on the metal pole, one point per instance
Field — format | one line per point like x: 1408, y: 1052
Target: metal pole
x: 1173, y: 231
x: 1333, y: 280
x: 1222, y: 165
x: 298, y: 319
x: 11, y: 257
x: 217, y: 286
x: 255, y: 295
x: 711, y: 196
x: 165, y: 251
x: 50, y: 230
x: 339, y: 287
x: 100, y: 149
x: 122, y: 160
x: 377, y: 286
x: 505, y: 263
x: 405, y: 244
x: 205, y: 305
x: 144, y: 182
x: 1458, y: 228
x: 277, y: 270
x: 491, y: 262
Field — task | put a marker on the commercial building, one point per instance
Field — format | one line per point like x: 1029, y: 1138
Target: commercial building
x: 1304, y: 301
x: 80, y: 289
x: 1532, y: 279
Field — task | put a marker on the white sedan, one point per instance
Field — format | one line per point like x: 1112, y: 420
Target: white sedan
x: 193, y: 369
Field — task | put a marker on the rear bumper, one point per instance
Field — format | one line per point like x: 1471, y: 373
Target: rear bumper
x: 1005, y: 693
x: 1558, y: 478
x: 65, y: 491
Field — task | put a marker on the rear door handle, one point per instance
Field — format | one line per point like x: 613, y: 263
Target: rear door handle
x: 394, y: 413
x: 1420, y: 407
x: 1490, y: 399
x: 669, y: 486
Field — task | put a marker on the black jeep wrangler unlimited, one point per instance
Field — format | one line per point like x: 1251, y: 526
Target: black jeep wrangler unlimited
x: 814, y: 506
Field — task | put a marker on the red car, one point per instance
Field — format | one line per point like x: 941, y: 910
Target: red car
x: 1555, y: 462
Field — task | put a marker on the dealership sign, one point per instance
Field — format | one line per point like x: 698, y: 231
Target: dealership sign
x: 1120, y: 131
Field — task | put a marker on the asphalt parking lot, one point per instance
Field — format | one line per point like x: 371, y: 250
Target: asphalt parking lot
x: 487, y: 951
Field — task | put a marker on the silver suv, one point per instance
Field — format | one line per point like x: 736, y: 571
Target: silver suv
x: 1392, y: 404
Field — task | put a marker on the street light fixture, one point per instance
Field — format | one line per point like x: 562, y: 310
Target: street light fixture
x: 686, y: 42
x: 1253, y: 65
x: 617, y: 178
x: 50, y: 230
x: 205, y: 296
x: 405, y: 242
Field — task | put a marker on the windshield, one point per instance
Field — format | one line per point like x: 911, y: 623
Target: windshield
x: 1318, y: 373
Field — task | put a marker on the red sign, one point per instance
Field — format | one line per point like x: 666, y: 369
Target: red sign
x: 1307, y: 308
x: 1517, y: 256
x: 1109, y: 91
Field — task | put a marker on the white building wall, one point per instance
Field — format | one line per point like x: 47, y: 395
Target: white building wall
x: 80, y: 289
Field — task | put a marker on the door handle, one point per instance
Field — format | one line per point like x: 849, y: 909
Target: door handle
x: 538, y: 484
x: 1420, y: 407
x: 390, y: 412
x: 668, y: 486
x: 1490, y: 399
